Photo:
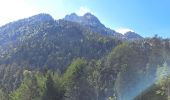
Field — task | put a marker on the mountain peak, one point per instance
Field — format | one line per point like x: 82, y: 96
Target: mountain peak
x: 87, y: 19
x: 131, y: 35
x: 91, y: 18
x: 88, y: 15
x: 93, y: 22
x: 72, y: 17
x: 73, y: 14
x: 41, y: 17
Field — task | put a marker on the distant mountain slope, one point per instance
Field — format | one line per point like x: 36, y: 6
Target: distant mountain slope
x: 22, y: 28
x: 40, y: 41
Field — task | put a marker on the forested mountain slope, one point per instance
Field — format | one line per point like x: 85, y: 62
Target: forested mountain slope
x: 77, y: 58
x: 40, y: 42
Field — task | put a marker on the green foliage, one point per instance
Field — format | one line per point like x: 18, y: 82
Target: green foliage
x: 162, y: 74
x: 75, y: 81
x: 163, y: 80
x: 29, y: 89
x: 74, y: 70
x: 94, y: 77
x: 53, y: 91
x: 36, y: 86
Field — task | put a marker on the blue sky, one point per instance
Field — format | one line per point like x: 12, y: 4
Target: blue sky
x: 146, y: 17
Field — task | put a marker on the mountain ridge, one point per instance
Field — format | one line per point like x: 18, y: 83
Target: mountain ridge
x: 87, y: 20
x: 90, y: 20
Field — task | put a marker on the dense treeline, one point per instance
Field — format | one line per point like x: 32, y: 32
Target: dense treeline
x: 82, y: 80
x: 135, y: 64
